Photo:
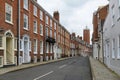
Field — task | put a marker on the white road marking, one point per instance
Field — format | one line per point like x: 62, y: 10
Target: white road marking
x: 62, y: 66
x: 44, y: 75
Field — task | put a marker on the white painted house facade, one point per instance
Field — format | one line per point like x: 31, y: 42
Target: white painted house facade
x: 111, y: 36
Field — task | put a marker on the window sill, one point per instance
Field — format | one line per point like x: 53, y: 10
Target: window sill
x: 41, y: 53
x: 26, y: 29
x: 35, y: 52
x: 15, y: 49
x: 26, y: 9
x: 21, y: 50
x: 9, y: 22
x: 35, y: 33
x: 41, y: 34
x: 113, y: 58
x: 35, y: 15
x: 1, y: 48
x: 41, y: 19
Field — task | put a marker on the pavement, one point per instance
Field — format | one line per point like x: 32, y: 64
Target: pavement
x: 24, y: 66
x: 75, y: 68
x: 101, y: 72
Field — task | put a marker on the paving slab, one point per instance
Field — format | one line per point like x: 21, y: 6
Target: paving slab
x: 101, y: 72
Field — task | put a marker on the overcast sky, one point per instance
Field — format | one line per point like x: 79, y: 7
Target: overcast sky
x: 75, y: 15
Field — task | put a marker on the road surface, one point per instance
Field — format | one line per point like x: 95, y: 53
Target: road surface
x: 76, y: 68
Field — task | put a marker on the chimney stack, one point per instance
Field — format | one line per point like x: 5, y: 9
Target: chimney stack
x: 73, y: 34
x: 56, y: 15
x: 81, y: 37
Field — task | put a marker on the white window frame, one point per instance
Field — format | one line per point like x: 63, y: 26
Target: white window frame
x: 41, y: 47
x: 119, y: 2
x: 41, y: 29
x: 118, y: 9
x: 113, y: 48
x: 35, y: 26
x: 30, y: 45
x: 46, y: 31
x: 9, y: 12
x: 41, y: 15
x: 15, y: 44
x: 1, y: 41
x: 55, y: 25
x: 25, y: 4
x: 55, y: 35
x: 50, y: 32
x: 35, y: 46
x: 35, y: 11
x: 113, y: 15
x: 26, y: 21
x: 47, y: 47
x: 21, y: 45
x: 46, y: 19
x: 51, y: 48
x: 119, y: 13
x: 118, y: 56
x: 51, y: 23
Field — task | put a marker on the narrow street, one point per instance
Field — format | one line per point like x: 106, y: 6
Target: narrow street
x: 76, y: 68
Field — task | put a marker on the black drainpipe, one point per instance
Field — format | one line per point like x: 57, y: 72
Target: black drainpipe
x: 18, y: 33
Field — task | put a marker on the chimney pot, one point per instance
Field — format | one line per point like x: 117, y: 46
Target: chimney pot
x: 56, y: 15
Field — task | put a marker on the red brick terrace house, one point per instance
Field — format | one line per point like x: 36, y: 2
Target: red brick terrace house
x: 8, y: 32
x: 28, y: 33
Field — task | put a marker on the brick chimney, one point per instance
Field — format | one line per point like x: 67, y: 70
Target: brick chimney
x: 73, y: 34
x: 81, y: 37
x: 56, y: 15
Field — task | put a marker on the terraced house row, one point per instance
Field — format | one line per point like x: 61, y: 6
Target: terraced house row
x: 28, y: 33
x: 106, y: 35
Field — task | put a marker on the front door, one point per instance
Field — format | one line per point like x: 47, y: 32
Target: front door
x: 9, y: 52
x: 26, y: 50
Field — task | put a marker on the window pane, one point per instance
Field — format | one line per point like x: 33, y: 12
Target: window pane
x: 15, y: 44
x: 119, y: 47
x: 41, y: 29
x: 35, y: 26
x: 50, y: 33
x: 55, y: 26
x: 35, y: 10
x: 0, y: 41
x: 46, y: 19
x: 35, y: 45
x: 29, y: 45
x: 26, y: 4
x: 8, y: 12
x: 20, y: 44
x: 41, y: 15
x: 46, y: 31
x: 25, y: 21
x: 41, y: 47
x: 55, y: 35
x: 50, y: 23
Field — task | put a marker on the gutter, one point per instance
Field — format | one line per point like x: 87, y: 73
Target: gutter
x: 18, y: 33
